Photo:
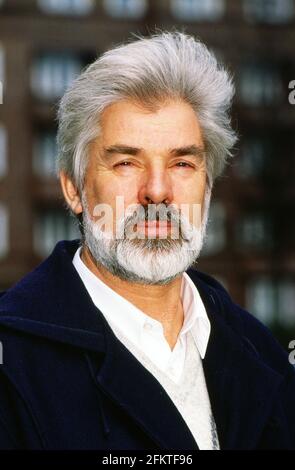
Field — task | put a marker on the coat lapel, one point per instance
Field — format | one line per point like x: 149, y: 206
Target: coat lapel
x: 123, y: 378
x: 242, y: 388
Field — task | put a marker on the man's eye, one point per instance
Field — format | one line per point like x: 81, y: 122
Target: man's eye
x: 124, y: 164
x: 183, y: 164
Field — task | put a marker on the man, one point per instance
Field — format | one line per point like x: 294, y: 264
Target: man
x: 110, y: 343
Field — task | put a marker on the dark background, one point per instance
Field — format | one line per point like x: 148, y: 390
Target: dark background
x: 44, y: 44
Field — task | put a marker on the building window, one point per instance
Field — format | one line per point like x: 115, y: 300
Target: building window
x: 197, y: 10
x: 260, y: 85
x: 44, y: 154
x: 286, y: 302
x: 4, y: 231
x: 272, y: 301
x: 50, y: 227
x: 3, y: 151
x: 133, y: 9
x: 269, y: 11
x: 67, y: 7
x: 252, y: 160
x: 254, y: 231
x: 53, y: 73
x: 261, y: 299
x: 216, y: 230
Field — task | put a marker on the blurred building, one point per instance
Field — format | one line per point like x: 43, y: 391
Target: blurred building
x: 44, y: 44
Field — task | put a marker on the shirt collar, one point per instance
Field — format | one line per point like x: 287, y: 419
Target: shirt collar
x: 131, y: 320
x: 195, y: 316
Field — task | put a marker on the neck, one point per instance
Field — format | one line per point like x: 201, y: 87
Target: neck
x: 160, y: 302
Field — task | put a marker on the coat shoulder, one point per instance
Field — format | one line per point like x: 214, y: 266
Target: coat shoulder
x: 256, y: 336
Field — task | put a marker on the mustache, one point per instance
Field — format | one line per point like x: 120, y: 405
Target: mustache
x: 153, y: 212
x: 156, y: 213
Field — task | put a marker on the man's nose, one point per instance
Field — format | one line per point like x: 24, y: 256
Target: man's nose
x: 156, y: 188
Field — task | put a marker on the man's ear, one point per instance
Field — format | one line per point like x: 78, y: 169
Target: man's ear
x: 71, y: 193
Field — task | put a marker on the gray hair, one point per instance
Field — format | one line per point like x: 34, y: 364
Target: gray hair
x: 167, y: 65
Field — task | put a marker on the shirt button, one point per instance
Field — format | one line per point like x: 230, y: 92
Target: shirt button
x: 148, y: 327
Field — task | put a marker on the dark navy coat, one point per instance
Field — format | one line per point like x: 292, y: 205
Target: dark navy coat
x: 67, y: 382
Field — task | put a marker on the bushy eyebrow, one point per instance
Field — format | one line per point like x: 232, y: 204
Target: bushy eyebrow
x: 122, y: 149
x: 188, y: 150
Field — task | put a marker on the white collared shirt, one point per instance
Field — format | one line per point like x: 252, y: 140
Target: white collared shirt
x: 145, y: 332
